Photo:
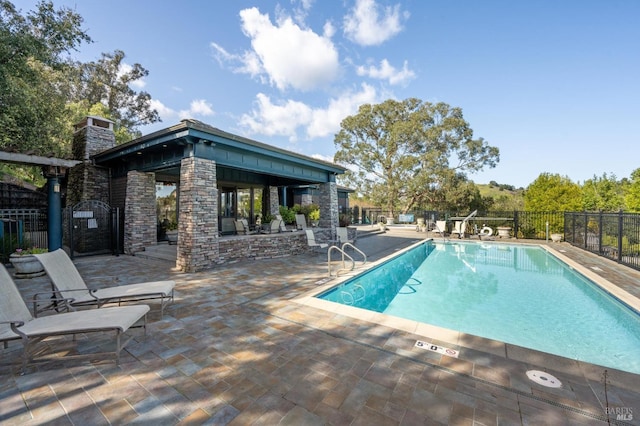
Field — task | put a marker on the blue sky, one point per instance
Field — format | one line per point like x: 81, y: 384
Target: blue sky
x: 555, y: 85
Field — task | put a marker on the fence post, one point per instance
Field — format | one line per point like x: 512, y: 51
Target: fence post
x: 600, y: 232
x: 586, y: 229
x: 515, y: 223
x: 620, y: 228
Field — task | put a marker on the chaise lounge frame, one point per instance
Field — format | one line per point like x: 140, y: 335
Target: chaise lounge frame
x: 17, y: 323
x: 68, y: 281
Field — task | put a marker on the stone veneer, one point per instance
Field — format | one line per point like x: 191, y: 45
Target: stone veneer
x: 328, y: 200
x: 140, y: 212
x: 267, y: 246
x: 91, y: 139
x: 86, y: 181
x: 274, y: 201
x: 198, y: 215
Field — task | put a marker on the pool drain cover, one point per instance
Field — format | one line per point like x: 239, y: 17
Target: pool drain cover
x: 544, y: 379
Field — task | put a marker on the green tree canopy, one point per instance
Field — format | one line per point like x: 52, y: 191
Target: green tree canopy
x: 632, y: 193
x: 552, y: 192
x: 32, y: 66
x: 602, y: 193
x: 108, y: 82
x: 401, y: 152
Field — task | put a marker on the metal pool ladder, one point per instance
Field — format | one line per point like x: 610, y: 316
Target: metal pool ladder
x: 344, y: 255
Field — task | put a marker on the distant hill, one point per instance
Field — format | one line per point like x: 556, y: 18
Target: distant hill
x: 506, y: 197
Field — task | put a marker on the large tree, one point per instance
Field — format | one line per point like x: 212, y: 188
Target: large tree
x: 108, y: 82
x: 401, y: 153
x: 632, y: 193
x: 33, y: 61
x: 602, y: 193
x: 552, y: 192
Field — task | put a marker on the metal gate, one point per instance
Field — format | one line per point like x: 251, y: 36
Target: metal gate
x: 92, y: 228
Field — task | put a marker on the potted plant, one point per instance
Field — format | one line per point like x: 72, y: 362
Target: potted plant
x: 171, y: 231
x: 504, y: 231
x: 26, y: 264
x: 314, y: 217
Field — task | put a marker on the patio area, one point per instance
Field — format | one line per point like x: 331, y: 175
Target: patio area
x: 236, y: 349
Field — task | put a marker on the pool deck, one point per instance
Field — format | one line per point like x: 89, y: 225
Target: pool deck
x: 240, y: 347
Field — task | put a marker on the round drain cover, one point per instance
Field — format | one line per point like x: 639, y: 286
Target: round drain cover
x: 544, y: 379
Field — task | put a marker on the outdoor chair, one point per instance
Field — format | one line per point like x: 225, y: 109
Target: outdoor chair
x: 441, y: 227
x: 68, y: 281
x: 459, y: 228
x: 343, y: 235
x: 301, y: 222
x: 242, y: 227
x: 311, y: 240
x: 17, y: 323
x: 274, y: 227
x: 283, y: 226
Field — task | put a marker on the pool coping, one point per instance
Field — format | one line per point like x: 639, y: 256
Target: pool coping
x: 470, y: 347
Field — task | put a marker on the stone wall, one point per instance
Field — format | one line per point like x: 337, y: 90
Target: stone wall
x: 197, y: 215
x: 87, y: 182
x: 268, y: 246
x: 140, y: 212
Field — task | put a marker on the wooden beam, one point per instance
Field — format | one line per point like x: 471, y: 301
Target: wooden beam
x: 36, y: 160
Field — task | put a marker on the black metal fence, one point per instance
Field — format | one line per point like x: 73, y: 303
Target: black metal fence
x: 22, y: 229
x: 612, y: 235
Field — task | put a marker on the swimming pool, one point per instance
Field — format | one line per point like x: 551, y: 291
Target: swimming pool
x: 516, y: 294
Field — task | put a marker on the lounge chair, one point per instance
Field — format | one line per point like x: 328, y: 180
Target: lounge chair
x: 311, y: 240
x: 274, y: 227
x: 301, y: 222
x: 68, y: 281
x: 17, y: 323
x: 242, y: 227
x: 459, y: 228
x: 343, y: 235
x: 283, y: 226
x: 441, y: 227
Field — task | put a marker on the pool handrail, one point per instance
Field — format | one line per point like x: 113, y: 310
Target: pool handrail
x: 344, y: 254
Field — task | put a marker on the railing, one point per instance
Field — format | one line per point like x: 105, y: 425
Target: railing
x: 342, y: 251
x: 612, y: 235
x: 21, y: 228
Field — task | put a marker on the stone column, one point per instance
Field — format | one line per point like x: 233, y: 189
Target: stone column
x: 274, y: 201
x: 140, y: 212
x: 328, y: 201
x: 198, y: 247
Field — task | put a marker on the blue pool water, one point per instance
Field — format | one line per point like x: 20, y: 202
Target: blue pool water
x: 512, y: 293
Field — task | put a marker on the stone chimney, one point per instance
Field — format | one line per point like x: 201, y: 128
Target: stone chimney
x: 91, y: 136
x: 87, y: 181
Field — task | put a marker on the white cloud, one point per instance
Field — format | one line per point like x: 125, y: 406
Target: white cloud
x: 197, y: 108
x: 326, y: 121
x: 327, y: 158
x: 164, y: 111
x: 387, y: 72
x: 276, y: 119
x: 287, y: 117
x: 365, y: 27
x: 200, y: 107
x: 285, y: 54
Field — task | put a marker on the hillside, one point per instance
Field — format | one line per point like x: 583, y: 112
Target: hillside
x: 504, y: 197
